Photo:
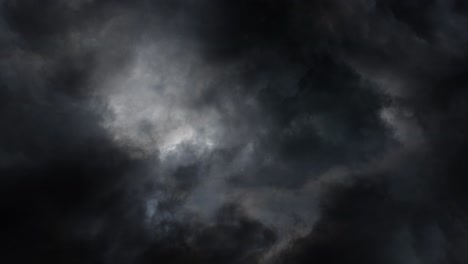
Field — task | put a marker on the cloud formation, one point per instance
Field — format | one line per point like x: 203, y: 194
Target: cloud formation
x: 261, y: 131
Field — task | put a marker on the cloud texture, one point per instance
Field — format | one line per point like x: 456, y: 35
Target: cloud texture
x: 237, y: 131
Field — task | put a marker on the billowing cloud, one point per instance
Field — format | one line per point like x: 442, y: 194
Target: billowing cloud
x: 261, y: 131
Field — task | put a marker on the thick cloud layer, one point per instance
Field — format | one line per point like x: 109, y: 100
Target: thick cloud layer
x: 261, y: 131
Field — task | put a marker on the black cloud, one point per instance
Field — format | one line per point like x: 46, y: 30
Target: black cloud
x: 233, y: 131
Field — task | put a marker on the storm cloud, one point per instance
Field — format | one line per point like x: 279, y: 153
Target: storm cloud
x: 261, y: 131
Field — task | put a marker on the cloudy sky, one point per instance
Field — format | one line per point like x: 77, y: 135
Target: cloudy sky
x: 233, y: 131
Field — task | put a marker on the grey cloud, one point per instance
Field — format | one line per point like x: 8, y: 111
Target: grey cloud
x: 233, y: 131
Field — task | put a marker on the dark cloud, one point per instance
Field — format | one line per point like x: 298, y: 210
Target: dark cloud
x: 233, y: 238
x: 233, y: 131
x: 408, y: 211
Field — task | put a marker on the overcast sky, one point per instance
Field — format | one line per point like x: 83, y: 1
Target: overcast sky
x: 234, y: 131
